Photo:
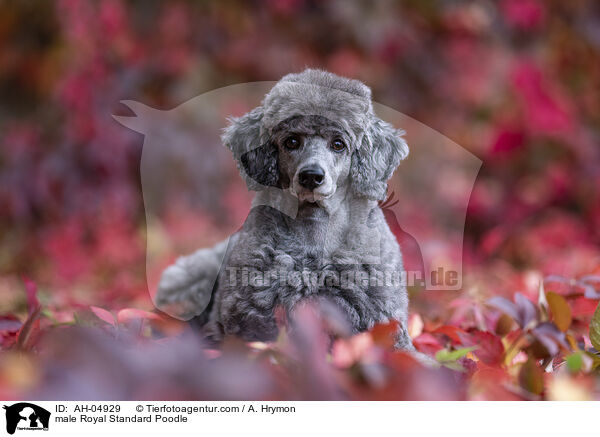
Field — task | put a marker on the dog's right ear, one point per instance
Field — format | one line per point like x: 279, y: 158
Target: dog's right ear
x: 256, y: 157
x: 262, y: 166
x: 374, y: 162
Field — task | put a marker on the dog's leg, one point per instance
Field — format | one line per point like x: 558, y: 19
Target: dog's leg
x: 185, y: 288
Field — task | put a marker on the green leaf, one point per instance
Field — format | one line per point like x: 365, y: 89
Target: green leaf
x: 595, y: 329
x: 454, y: 366
x: 575, y: 362
x: 444, y: 355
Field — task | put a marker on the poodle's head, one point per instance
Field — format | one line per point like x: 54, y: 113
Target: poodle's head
x: 314, y: 133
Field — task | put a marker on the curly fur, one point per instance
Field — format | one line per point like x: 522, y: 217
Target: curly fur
x: 334, y: 234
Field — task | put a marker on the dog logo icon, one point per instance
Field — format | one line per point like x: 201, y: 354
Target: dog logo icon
x: 26, y: 416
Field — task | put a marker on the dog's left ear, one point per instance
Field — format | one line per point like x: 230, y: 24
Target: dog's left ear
x: 256, y: 158
x: 374, y: 161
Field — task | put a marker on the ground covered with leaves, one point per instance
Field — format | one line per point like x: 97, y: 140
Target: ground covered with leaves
x: 502, y: 350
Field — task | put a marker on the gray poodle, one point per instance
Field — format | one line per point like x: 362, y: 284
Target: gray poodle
x: 319, y: 159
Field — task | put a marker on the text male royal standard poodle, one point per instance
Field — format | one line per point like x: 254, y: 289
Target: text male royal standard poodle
x: 319, y: 159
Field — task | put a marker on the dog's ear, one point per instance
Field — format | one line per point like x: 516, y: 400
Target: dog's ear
x: 376, y: 158
x: 256, y: 158
x: 261, y: 165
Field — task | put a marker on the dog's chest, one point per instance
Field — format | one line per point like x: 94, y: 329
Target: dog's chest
x: 280, y: 266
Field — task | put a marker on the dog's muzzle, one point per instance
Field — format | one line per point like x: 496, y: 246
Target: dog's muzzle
x: 311, y: 177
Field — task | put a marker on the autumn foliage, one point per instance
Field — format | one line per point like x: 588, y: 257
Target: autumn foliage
x: 515, y: 82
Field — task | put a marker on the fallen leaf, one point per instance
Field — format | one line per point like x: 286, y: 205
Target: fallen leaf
x: 504, y: 325
x: 531, y: 377
x: 574, y: 362
x: 104, y: 315
x: 595, y: 329
x: 445, y: 355
x: 489, y: 347
x: 522, y: 311
x: 560, y: 309
x: 128, y: 314
x: 453, y: 332
x: 384, y: 334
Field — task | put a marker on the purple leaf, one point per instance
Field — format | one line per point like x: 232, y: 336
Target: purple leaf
x: 523, y: 311
x: 526, y: 309
x: 10, y: 323
x: 550, y: 337
x: 591, y: 286
x: 506, y: 306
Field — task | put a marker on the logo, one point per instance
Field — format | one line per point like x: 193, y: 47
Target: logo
x: 26, y: 416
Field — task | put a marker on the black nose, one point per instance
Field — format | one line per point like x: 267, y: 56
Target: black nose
x: 311, y: 177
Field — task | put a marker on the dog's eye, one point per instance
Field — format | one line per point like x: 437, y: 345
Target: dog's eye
x: 338, y: 145
x: 292, y: 142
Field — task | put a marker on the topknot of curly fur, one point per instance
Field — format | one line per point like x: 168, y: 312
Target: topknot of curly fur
x: 316, y: 92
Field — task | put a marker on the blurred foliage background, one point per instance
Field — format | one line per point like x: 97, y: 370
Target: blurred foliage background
x: 516, y: 82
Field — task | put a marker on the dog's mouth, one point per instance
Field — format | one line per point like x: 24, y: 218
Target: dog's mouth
x: 312, y: 211
x: 312, y: 197
x: 309, y: 206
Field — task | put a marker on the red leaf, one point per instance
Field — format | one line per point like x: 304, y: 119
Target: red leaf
x: 489, y: 349
x: 104, y: 315
x: 385, y: 334
x: 9, y: 328
x: 128, y: 314
x: 582, y: 306
x: 8, y: 339
x: 427, y: 344
x: 31, y: 292
x: 453, y: 332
